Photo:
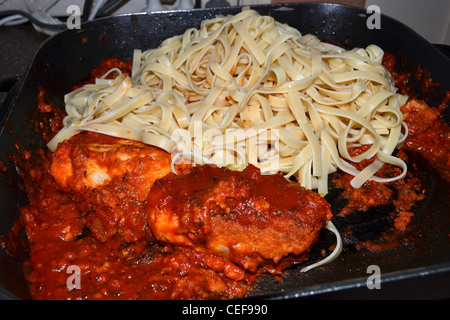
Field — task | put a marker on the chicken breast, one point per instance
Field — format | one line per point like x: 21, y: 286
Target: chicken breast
x: 247, y: 217
x: 91, y: 160
x: 110, y: 179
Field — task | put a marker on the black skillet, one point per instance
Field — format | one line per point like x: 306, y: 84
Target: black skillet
x: 419, y: 270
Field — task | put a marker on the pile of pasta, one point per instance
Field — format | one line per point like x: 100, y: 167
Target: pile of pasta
x: 247, y: 89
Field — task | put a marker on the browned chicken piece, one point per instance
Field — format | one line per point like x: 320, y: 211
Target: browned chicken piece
x: 110, y: 178
x: 247, y: 217
x: 91, y: 160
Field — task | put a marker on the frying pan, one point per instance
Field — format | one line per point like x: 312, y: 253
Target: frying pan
x: 418, y: 270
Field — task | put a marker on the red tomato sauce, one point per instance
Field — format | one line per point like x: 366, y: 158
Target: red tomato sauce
x: 429, y: 133
x: 58, y: 238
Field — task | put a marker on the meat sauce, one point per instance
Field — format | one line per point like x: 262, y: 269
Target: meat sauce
x: 429, y: 133
x: 185, y: 261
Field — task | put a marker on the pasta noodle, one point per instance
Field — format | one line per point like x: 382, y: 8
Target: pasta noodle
x: 247, y: 89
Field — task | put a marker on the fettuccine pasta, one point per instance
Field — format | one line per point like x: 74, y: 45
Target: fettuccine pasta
x: 247, y: 89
